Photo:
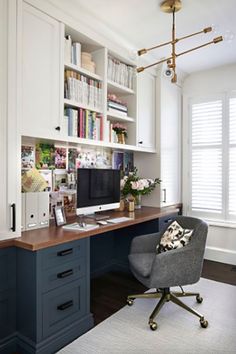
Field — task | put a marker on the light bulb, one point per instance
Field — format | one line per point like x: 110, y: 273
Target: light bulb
x: 228, y: 36
x: 215, y: 29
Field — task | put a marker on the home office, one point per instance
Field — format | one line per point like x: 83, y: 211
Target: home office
x: 68, y: 80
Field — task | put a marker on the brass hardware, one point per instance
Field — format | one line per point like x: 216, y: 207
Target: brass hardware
x: 169, y: 5
x: 173, y: 6
x: 142, y: 51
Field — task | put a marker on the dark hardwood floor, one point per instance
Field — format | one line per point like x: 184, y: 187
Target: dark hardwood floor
x: 109, y: 292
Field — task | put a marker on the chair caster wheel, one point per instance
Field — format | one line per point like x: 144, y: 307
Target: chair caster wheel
x: 130, y: 302
x: 199, y: 299
x: 203, y: 323
x: 153, y: 326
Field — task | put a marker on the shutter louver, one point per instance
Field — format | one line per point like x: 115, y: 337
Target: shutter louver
x: 232, y: 156
x: 207, y: 156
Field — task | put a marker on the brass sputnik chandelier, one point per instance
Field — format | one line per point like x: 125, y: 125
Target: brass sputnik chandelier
x: 172, y: 6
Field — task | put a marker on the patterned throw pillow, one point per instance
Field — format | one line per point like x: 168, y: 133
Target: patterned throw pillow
x: 174, y: 237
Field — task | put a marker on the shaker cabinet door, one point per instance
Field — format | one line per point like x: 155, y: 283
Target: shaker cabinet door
x: 40, y: 74
x: 146, y: 110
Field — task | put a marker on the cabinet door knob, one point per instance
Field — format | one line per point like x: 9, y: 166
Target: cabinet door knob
x: 140, y: 142
x: 58, y: 128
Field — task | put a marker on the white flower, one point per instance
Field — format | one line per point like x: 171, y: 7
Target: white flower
x: 134, y: 185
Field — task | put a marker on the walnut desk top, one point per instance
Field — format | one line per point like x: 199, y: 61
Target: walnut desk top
x: 51, y: 236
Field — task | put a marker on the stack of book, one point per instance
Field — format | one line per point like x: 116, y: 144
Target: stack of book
x: 83, y: 90
x: 121, y: 73
x: 84, y: 123
x: 114, y: 105
x: 72, y: 51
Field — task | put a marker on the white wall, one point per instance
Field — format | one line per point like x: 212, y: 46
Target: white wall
x: 221, y: 242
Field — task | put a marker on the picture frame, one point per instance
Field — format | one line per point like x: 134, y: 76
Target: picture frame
x: 59, y: 215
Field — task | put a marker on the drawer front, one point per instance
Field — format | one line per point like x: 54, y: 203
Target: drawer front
x: 165, y: 220
x: 63, y: 274
x: 63, y: 306
x: 54, y: 256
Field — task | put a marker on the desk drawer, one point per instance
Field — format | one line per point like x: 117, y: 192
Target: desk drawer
x: 63, y: 306
x: 64, y: 253
x: 165, y: 220
x: 63, y: 274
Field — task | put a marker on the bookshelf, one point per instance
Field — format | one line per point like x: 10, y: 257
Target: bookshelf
x: 90, y: 70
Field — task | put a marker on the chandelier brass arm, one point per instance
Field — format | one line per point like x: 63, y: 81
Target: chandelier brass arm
x: 145, y: 50
x: 172, y: 6
x: 214, y: 41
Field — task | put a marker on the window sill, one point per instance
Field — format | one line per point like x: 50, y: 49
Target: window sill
x: 226, y: 224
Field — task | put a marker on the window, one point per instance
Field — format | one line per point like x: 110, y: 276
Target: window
x: 212, y: 174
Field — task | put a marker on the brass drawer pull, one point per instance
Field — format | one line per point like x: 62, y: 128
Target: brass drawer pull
x: 65, y: 252
x: 65, y: 306
x: 65, y: 274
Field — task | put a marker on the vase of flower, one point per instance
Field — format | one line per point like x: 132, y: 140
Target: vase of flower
x: 133, y: 185
x: 121, y: 138
x: 121, y: 132
x: 138, y: 201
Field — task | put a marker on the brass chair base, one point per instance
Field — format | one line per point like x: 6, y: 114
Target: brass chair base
x: 166, y: 295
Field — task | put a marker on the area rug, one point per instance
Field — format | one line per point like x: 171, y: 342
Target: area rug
x: 178, y: 331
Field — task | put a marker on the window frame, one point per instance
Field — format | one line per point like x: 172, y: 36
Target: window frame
x: 223, y: 218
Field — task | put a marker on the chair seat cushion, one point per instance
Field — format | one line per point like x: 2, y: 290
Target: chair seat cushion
x: 174, y: 237
x: 142, y: 263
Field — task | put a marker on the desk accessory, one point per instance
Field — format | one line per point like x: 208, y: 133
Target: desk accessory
x: 59, y: 215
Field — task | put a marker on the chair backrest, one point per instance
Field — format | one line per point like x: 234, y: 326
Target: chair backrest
x: 197, y: 242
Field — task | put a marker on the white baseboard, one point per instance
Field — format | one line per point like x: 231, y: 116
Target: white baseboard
x: 220, y: 255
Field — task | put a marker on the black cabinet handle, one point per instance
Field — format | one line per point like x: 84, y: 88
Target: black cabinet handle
x: 65, y: 274
x: 140, y: 142
x: 65, y: 252
x: 168, y: 220
x: 13, y: 206
x: 58, y: 128
x: 65, y: 306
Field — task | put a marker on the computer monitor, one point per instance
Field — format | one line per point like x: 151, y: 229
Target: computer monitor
x: 97, y: 190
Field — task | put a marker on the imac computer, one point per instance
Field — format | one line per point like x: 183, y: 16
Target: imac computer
x: 97, y: 190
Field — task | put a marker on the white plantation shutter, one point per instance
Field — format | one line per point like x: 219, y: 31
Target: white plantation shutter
x: 206, y: 157
x: 232, y: 156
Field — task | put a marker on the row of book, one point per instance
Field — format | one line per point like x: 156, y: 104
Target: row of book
x: 117, y: 107
x: 120, y: 73
x: 72, y: 51
x: 84, y: 123
x: 83, y: 90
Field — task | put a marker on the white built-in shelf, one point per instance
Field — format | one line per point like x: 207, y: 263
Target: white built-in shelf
x: 113, y: 87
x: 70, y: 103
x: 83, y: 71
x: 120, y: 117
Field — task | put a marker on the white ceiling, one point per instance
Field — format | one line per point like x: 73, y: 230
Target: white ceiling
x: 142, y: 24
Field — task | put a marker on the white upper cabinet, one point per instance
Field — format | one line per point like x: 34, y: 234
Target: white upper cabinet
x: 40, y: 74
x: 9, y: 136
x: 146, y: 110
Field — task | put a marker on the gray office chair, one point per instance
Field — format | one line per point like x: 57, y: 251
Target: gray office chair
x: 176, y: 267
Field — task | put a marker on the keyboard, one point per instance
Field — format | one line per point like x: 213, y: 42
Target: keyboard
x: 118, y: 220
x: 76, y: 227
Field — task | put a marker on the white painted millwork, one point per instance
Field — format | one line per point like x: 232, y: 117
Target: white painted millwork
x: 221, y: 242
x: 9, y: 137
x: 166, y: 162
x: 170, y: 142
x: 40, y: 73
x: 146, y: 110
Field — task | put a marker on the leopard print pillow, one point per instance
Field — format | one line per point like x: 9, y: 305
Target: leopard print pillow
x: 174, y: 237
